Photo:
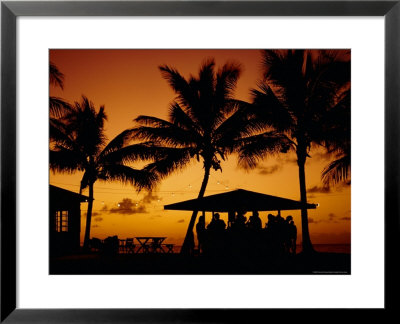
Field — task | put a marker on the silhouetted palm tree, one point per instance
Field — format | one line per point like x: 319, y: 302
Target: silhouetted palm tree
x: 57, y: 106
x: 205, y: 122
x: 299, y: 94
x: 56, y: 77
x: 338, y: 142
x: 81, y: 145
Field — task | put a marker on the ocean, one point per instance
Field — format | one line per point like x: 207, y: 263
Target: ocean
x: 331, y: 248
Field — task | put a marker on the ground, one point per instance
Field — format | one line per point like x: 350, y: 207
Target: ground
x: 318, y: 263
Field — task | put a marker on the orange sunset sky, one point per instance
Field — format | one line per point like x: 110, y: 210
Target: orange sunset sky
x: 128, y: 83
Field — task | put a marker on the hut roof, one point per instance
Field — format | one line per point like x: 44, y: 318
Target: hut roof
x: 57, y: 193
x: 239, y: 199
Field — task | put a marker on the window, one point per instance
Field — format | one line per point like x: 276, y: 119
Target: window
x: 61, y: 222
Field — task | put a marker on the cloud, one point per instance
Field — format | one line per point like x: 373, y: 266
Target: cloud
x: 331, y: 218
x: 181, y: 221
x: 268, y: 170
x: 346, y: 218
x: 149, y: 198
x: 343, y: 185
x: 321, y: 156
x: 95, y: 225
x: 128, y: 207
x: 290, y: 158
x: 95, y: 214
x: 98, y: 219
x: 317, y: 189
x: 105, y: 208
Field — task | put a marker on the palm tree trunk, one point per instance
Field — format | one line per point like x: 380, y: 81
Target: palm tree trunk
x: 306, y: 241
x: 189, y: 238
x: 88, y: 218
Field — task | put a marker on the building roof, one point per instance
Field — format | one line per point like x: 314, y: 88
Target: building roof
x: 60, y: 193
x: 239, y: 199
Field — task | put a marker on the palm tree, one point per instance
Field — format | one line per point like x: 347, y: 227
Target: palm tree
x: 338, y: 170
x: 205, y: 122
x: 81, y: 145
x: 300, y: 93
x: 56, y: 77
x: 338, y: 143
x: 57, y: 106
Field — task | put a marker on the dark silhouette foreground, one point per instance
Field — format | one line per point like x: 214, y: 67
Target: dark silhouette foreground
x: 318, y: 263
x: 242, y: 248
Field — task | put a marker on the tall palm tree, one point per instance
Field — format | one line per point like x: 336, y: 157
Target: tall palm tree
x: 81, y: 145
x: 205, y: 122
x: 301, y: 88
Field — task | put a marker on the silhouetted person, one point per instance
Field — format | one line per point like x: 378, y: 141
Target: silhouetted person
x: 217, y: 225
x: 254, y: 222
x: 111, y: 245
x: 271, y: 221
x: 96, y: 244
x: 191, y: 244
x: 280, y: 234
x: 201, y: 232
x: 293, y: 236
x: 239, y: 240
x: 272, y: 239
x: 216, y: 235
x: 240, y: 221
x: 231, y: 218
x: 279, y: 219
x: 286, y: 234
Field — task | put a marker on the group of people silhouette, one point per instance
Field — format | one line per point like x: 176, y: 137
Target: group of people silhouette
x: 244, y: 236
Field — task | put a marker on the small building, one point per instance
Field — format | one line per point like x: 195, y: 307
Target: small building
x: 65, y: 221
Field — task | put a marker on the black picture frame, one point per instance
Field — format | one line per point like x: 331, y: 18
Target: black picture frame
x: 10, y: 10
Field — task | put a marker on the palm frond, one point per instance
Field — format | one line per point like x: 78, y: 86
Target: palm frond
x: 57, y: 130
x: 55, y: 76
x: 141, y: 179
x: 337, y: 171
x: 226, y: 82
x: 133, y: 153
x: 58, y: 107
x: 242, y: 123
x: 86, y: 125
x: 336, y: 124
x: 152, y: 121
x: 181, y: 119
x: 118, y: 142
x: 271, y: 109
x: 186, y: 95
x: 253, y: 149
x: 65, y: 161
x: 174, y: 159
x: 170, y: 136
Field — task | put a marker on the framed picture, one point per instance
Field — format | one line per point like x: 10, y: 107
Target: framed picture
x: 123, y: 49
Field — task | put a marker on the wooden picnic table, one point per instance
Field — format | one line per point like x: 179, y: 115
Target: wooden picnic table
x: 151, y: 244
